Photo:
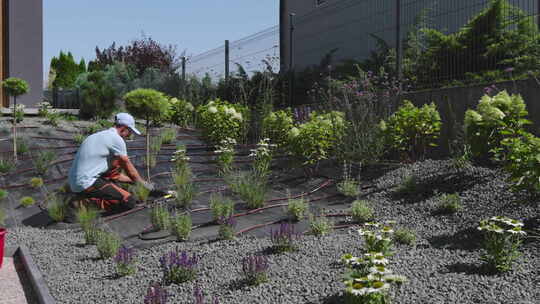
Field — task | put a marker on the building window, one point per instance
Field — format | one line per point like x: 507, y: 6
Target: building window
x: 320, y: 2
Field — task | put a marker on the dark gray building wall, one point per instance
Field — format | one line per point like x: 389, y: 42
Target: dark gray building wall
x: 26, y: 47
x: 346, y: 25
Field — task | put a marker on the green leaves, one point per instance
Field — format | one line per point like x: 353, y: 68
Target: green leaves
x: 220, y: 120
x: 147, y: 104
x: 14, y: 86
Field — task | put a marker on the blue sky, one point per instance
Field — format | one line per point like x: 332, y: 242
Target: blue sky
x: 192, y: 25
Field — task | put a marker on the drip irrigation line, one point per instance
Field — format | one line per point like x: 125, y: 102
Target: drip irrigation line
x: 257, y: 226
x: 51, y: 138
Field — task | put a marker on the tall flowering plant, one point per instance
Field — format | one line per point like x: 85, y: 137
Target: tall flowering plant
x: 180, y: 157
x: 377, y: 237
x: 277, y: 125
x: 254, y: 269
x: 220, y: 120
x: 178, y: 267
x: 155, y: 294
x: 225, y: 158
x: 125, y: 261
x: 199, y: 296
x: 262, y: 157
x: 503, y: 236
x: 180, y: 112
x: 283, y: 238
x: 226, y: 227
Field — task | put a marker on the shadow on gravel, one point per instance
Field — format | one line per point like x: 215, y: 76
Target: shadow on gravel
x: 467, y: 239
x: 333, y: 299
x: 469, y: 269
x: 446, y: 183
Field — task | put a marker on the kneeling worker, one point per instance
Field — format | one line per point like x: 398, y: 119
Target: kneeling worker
x: 97, y: 168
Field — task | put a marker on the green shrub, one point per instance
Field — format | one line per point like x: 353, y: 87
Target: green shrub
x: 277, y: 126
x: 409, y: 185
x: 449, y: 203
x: 97, y: 96
x: 320, y: 225
x: 79, y: 138
x: 361, y: 211
x: 411, y: 130
x: 221, y: 206
x: 107, y: 244
x: 297, y: 208
x: 91, y: 234
x: 168, y: 136
x: 160, y: 217
x: 181, y: 227
x: 404, y: 236
x: 3, y: 194
x: 522, y: 161
x: 316, y: 139
x: 36, y: 182
x: 181, y: 112
x: 27, y: 201
x: 22, y: 146
x: 56, y: 208
x: 495, y: 118
x: 220, y: 120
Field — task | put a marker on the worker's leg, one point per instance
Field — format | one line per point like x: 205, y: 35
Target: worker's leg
x: 111, y: 195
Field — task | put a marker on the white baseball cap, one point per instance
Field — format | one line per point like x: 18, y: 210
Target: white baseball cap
x: 125, y: 119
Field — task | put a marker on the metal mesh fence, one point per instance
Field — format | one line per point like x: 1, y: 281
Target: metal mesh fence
x: 248, y: 52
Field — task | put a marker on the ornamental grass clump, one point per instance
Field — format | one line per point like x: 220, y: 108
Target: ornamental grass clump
x: 86, y: 217
x: 297, y: 208
x: 221, y: 206
x: 27, y: 201
x: 22, y: 146
x: 262, y: 158
x: 160, y: 217
x: 348, y: 186
x: 140, y: 192
x: 36, y: 182
x: 178, y: 267
x: 181, y: 226
x: 249, y: 187
x: 168, y: 136
x: 184, y: 186
x: 125, y: 261
x: 255, y: 269
x: 226, y: 227
x: 319, y: 225
x: 6, y: 165
x: 449, y: 204
x: 56, y: 208
x: 155, y: 294
x: 225, y: 155
x: 378, y: 240
x: 107, y: 244
x: 503, y: 236
x: 409, y: 185
x: 361, y: 211
x: 43, y: 161
x: 404, y: 236
x: 284, y: 238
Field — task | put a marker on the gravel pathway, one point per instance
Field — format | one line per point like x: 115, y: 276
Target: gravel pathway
x: 443, y: 267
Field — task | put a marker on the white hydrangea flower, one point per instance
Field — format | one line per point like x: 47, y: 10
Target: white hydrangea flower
x: 190, y: 107
x: 238, y: 116
x: 294, y: 132
x: 212, y: 110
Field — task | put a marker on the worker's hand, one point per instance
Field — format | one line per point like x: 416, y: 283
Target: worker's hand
x: 148, y: 185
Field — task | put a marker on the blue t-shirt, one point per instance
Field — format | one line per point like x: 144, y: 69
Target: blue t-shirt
x: 94, y: 157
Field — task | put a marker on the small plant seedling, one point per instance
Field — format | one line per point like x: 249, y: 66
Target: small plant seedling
x: 125, y: 261
x: 160, y: 217
x: 226, y: 227
x: 3, y: 194
x: 27, y: 201
x: 283, y: 238
x: 43, y: 161
x: 361, y: 211
x: 22, y: 146
x: 449, y: 204
x: 36, y: 182
x: 404, y: 236
x: 107, y: 244
x: 168, y: 136
x: 221, y: 206
x: 178, y: 267
x: 6, y: 165
x: 409, y: 185
x: 56, y: 208
x: 155, y: 294
x: 297, y: 208
x: 320, y: 225
x: 255, y: 269
x: 79, y: 138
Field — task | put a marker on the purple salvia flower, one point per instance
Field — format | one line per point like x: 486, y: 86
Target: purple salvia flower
x: 253, y: 265
x: 156, y: 295
x: 229, y: 221
x: 124, y: 256
x: 198, y: 294
x: 215, y: 301
x: 509, y: 70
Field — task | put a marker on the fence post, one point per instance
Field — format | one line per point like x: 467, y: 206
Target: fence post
x: 183, y: 77
x: 291, y: 67
x: 226, y: 61
x: 398, y: 42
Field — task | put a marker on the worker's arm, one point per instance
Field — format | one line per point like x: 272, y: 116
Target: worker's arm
x: 130, y: 169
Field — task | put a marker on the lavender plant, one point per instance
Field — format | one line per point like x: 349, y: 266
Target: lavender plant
x: 320, y: 225
x: 107, y: 244
x: 283, y: 239
x: 125, y: 261
x: 199, y: 296
x: 168, y: 136
x: 184, y: 186
x: 348, y: 186
x: 221, y: 206
x: 249, y: 187
x: 180, y: 158
x: 160, y: 217
x: 361, y: 211
x: 255, y: 269
x: 56, y: 208
x: 177, y: 267
x: 156, y: 294
x: 226, y: 227
x: 297, y: 208
x: 503, y: 236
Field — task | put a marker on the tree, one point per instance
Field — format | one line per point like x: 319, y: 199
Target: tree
x: 97, y: 95
x: 66, y: 69
x: 150, y: 105
x: 142, y: 54
x: 15, y: 87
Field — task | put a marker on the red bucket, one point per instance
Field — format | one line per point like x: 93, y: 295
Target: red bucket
x: 3, y: 232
